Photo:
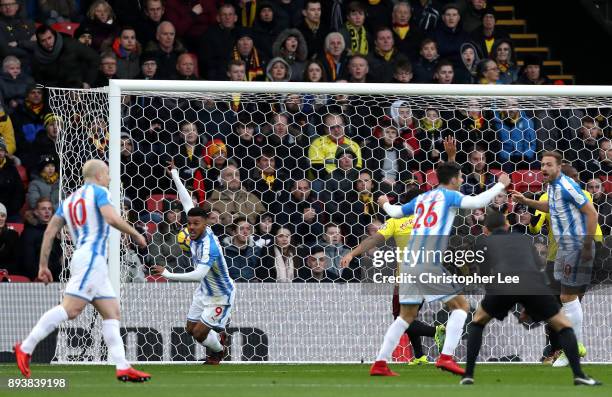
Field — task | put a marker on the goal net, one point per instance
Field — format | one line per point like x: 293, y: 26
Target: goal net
x: 291, y: 180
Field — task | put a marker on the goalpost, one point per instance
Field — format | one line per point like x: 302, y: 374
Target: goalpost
x: 291, y: 322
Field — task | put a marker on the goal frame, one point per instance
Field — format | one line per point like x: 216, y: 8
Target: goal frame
x: 118, y: 87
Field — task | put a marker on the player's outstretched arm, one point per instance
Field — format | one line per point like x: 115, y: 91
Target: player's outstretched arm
x: 517, y: 197
x: 183, y: 194
x: 394, y: 211
x: 366, y: 245
x: 197, y: 275
x: 54, y: 226
x: 112, y: 218
x: 483, y: 199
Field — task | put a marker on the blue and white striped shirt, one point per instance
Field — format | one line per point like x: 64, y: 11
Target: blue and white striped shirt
x: 207, y: 251
x: 565, y: 199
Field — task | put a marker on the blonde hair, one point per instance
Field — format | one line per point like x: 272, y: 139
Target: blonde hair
x: 91, y: 12
x: 91, y: 168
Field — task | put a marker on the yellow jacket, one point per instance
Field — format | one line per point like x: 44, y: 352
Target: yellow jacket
x: 322, y: 151
x: 7, y: 133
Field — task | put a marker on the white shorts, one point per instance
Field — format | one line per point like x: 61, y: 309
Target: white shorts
x: 89, y: 277
x: 214, y: 311
x: 570, y: 270
x: 417, y: 292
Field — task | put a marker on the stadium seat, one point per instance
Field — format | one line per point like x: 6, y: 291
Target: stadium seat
x: 156, y: 279
x: 18, y: 227
x: 151, y: 227
x: 65, y: 27
x: 155, y: 202
x: 607, y: 183
x: 14, y: 278
x: 431, y: 180
x: 527, y: 180
x: 496, y: 171
x: 23, y: 174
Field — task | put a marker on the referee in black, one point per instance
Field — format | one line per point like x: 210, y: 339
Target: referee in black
x: 514, y: 255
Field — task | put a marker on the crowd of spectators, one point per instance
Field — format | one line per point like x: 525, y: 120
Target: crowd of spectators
x: 290, y: 182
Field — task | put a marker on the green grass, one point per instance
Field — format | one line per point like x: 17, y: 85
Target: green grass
x: 314, y: 381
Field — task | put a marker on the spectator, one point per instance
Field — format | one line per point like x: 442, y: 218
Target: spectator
x: 45, y: 144
x: 406, y: 34
x: 472, y: 14
x: 242, y: 256
x: 401, y: 117
x: 279, y: 259
x: 356, y: 37
x: 322, y: 151
x: 426, y: 14
x: 166, y: 48
x: 402, y: 73
x: 245, y: 50
x: 9, y: 246
x: 187, y: 153
x: 216, y: 45
x: 50, y: 11
x: 426, y: 64
x: 101, y: 21
x: 291, y: 46
x: 477, y: 177
x: 487, y: 72
x: 518, y: 140
x: 267, y: 27
x: 313, y: 31
x: 62, y: 61
x: 108, y: 69
x: 186, y: 68
x: 7, y: 133
x: 332, y: 242
x: 433, y: 130
x: 278, y: 70
x: 231, y: 200
x: 135, y: 173
x: 207, y: 177
x: 531, y: 72
x: 13, y: 83
x: 335, y: 57
x: 245, y: 144
x: 45, y: 183
x: 487, y: 34
x: 288, y: 147
x: 503, y: 52
x: 164, y: 248
x: 11, y: 187
x: 83, y: 35
x: 465, y: 73
x: 146, y: 26
x: 603, y: 204
x: 28, y: 123
x: 382, y: 59
x: 265, y: 181
x: 361, y: 204
x: 315, y: 268
x: 519, y: 219
x: 584, y: 148
x: 148, y: 67
x: 303, y: 212
x: 127, y: 50
x: 341, y: 180
x: 475, y: 132
x: 30, y: 242
x: 444, y: 72
x: 605, y: 157
x: 358, y: 70
x: 16, y: 33
x: 450, y: 34
x: 191, y: 19
x: 378, y: 13
x: 264, y: 231
x: 314, y: 72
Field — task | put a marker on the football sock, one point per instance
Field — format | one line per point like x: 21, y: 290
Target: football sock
x: 212, y: 342
x: 552, y: 338
x: 573, y: 311
x: 473, y: 347
x: 415, y: 331
x: 392, y: 337
x: 114, y: 342
x: 567, y: 340
x: 454, y: 329
x: 45, y: 325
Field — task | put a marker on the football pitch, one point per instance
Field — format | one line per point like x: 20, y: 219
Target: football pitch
x: 312, y: 380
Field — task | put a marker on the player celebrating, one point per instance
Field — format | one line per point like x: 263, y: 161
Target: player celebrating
x: 573, y: 219
x: 513, y: 254
x: 434, y: 215
x: 87, y: 212
x: 213, y: 299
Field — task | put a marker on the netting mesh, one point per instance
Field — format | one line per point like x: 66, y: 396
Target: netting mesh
x: 291, y: 182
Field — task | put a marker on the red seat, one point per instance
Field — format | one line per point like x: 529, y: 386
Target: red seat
x: 65, y: 27
x: 18, y: 227
x: 607, y: 183
x: 496, y: 172
x: 151, y: 227
x: 155, y: 202
x: 23, y: 174
x: 14, y: 278
x: 154, y: 278
x: 527, y: 180
x: 431, y: 180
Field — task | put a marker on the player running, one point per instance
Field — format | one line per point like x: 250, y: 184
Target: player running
x: 513, y: 255
x: 213, y: 299
x: 573, y: 219
x: 88, y: 212
x: 434, y: 215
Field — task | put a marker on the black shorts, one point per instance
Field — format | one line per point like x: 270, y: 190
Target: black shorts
x: 539, y: 307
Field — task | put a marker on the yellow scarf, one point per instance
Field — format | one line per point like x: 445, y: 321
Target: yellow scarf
x: 478, y: 122
x: 387, y: 55
x: 489, y: 44
x: 247, y: 20
x: 428, y: 125
x: 374, y: 2
x: 367, y: 199
x: 189, y: 152
x: 269, y: 179
x: 401, y: 30
x: 50, y: 179
x: 482, y: 180
x: 359, y: 40
x: 235, y: 102
x: 2, y: 163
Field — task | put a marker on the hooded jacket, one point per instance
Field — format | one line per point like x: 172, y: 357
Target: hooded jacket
x: 295, y: 61
x: 14, y: 89
x: 290, y: 72
x: 463, y: 73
